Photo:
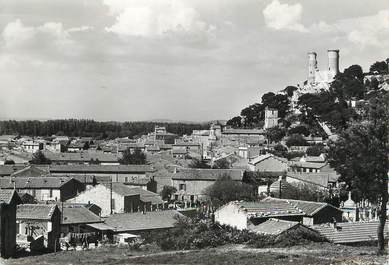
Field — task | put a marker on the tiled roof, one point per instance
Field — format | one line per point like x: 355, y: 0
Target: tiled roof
x: 7, y: 170
x: 315, y: 159
x: 207, y: 174
x: 320, y: 179
x: 186, y: 144
x: 273, y: 227
x: 179, y: 151
x: 307, y: 207
x: 128, y: 222
x: 33, y: 183
x: 350, y: 232
x: 308, y: 165
x: 6, y: 195
x: 144, y: 195
x: 243, y: 131
x: 35, y: 211
x: 30, y: 171
x: 148, y: 196
x: 86, y: 179
x: 268, y: 209
x: 121, y: 189
x: 165, y: 146
x: 100, y: 168
x: 266, y: 156
x: 81, y: 156
x: 101, y: 226
x: 79, y: 215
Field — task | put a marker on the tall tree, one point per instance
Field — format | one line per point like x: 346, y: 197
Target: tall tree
x: 198, y: 163
x: 275, y: 134
x: 360, y: 155
x: 380, y: 67
x: 225, y: 190
x: 354, y: 71
x: 38, y: 158
x: 235, y: 122
x: 167, y: 192
x: 137, y: 157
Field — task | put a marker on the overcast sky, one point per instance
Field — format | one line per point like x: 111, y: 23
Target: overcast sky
x: 172, y: 59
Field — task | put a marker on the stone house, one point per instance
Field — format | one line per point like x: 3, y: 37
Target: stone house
x: 268, y: 163
x: 242, y: 215
x: 9, y: 200
x: 133, y: 175
x: 36, y: 220
x: 191, y: 183
x: 143, y: 223
x: 77, y: 218
x: 119, y: 198
x: 44, y: 188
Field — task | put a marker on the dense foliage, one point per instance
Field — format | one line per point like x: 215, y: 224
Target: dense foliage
x: 316, y: 150
x: 380, y: 67
x: 137, y: 157
x: 167, y: 192
x: 254, y: 115
x: 198, y: 163
x: 360, y: 155
x: 197, y: 234
x: 225, y: 190
x: 38, y: 158
x: 74, y: 127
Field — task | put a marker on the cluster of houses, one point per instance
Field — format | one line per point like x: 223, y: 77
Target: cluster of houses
x: 86, y: 195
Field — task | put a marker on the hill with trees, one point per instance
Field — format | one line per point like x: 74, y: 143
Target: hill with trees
x: 97, y: 129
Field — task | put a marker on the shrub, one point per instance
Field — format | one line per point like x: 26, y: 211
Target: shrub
x: 198, y: 234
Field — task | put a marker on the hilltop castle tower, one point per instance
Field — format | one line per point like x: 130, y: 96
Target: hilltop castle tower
x: 333, y: 62
x: 315, y: 76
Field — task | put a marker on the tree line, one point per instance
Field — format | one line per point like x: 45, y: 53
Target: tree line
x: 92, y: 128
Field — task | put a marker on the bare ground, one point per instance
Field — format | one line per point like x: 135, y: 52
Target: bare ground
x: 318, y: 253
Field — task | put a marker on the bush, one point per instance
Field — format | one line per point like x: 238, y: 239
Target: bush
x: 198, y: 234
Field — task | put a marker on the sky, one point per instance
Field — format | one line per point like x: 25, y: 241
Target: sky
x: 192, y: 60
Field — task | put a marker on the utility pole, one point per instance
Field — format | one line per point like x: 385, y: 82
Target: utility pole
x: 110, y: 194
x: 280, y: 188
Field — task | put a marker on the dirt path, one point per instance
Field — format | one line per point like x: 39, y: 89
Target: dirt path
x: 322, y: 254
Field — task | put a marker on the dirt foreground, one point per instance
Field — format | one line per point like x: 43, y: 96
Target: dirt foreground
x: 318, y: 253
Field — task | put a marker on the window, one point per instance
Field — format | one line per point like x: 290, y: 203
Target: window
x: 125, y: 179
x: 182, y: 187
x: 113, y: 204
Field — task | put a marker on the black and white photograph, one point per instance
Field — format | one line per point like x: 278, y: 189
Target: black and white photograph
x: 194, y: 132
